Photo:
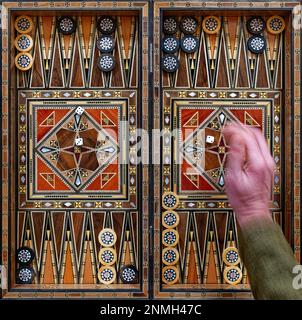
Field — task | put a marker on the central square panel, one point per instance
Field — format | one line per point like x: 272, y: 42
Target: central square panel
x: 202, y: 149
x: 77, y: 148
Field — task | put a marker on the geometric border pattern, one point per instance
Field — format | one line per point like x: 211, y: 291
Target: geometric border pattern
x: 127, y: 100
x: 292, y: 103
x: 116, y: 157
x: 9, y: 116
x: 178, y: 100
x: 290, y: 128
x: 205, y: 177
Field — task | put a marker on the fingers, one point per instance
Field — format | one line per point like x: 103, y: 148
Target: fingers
x: 257, y: 152
x: 264, y: 148
x: 236, y: 156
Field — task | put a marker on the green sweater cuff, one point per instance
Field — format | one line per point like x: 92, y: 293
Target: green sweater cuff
x: 269, y: 261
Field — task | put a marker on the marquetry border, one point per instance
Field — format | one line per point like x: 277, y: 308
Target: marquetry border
x: 8, y: 209
x: 269, y: 102
x: 292, y: 134
x: 180, y: 105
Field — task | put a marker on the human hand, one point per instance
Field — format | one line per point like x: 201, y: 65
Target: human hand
x: 249, y: 172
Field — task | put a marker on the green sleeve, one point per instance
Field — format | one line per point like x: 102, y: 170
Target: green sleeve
x: 269, y: 261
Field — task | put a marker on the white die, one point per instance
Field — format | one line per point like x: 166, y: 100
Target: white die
x: 79, y: 141
x: 210, y: 139
x: 79, y: 110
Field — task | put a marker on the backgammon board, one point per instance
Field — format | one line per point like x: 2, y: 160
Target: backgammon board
x: 112, y: 152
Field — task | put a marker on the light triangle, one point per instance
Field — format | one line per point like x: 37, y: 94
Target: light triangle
x: 106, y: 177
x: 48, y: 121
x: 193, y: 178
x: 249, y: 120
x: 49, y: 178
x: 105, y: 121
x: 193, y: 122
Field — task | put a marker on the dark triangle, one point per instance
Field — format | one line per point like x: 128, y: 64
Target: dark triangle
x: 57, y: 75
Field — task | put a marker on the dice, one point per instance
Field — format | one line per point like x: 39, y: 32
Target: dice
x: 79, y: 141
x: 209, y: 139
x: 79, y: 110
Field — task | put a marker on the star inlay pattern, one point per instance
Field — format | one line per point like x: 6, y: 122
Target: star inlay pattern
x: 78, y: 148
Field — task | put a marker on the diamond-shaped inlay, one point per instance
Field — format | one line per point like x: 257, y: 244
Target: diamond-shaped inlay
x: 78, y: 148
x: 200, y: 149
x: 205, y: 150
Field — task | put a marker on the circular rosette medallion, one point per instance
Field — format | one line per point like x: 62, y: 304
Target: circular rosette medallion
x: 24, y: 61
x: 188, y: 25
x: 170, y: 275
x: 106, y: 25
x: 106, y: 62
x: 189, y: 44
x: 170, y: 44
x: 107, y: 256
x: 170, y: 200
x: 170, y: 63
x: 232, y: 275
x: 107, y: 237
x: 24, y: 42
x: 231, y: 256
x: 129, y: 274
x: 23, y: 24
x: 66, y: 25
x: 107, y: 275
x: 211, y: 24
x: 25, y: 255
x: 105, y: 43
x: 170, y: 25
x: 255, y: 25
x: 170, y: 256
x: 275, y: 24
x: 170, y: 237
x: 25, y: 275
x: 256, y: 44
x: 170, y: 219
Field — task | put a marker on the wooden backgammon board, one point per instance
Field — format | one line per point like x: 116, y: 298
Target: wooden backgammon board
x: 112, y: 152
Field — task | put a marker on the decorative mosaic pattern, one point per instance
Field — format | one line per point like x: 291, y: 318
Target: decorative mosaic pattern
x: 106, y: 62
x: 222, y: 78
x: 275, y: 24
x: 76, y: 150
x: 211, y: 24
x: 189, y: 44
x: 24, y: 42
x: 129, y: 274
x: 106, y: 25
x: 188, y: 25
x: 170, y: 44
x: 232, y: 275
x: 105, y: 44
x: 25, y: 275
x: 25, y: 255
x: 256, y: 44
x: 66, y: 25
x: 170, y: 63
x: 68, y: 190
x: 23, y: 24
x: 170, y: 25
x: 200, y: 163
x: 256, y: 25
x: 63, y: 232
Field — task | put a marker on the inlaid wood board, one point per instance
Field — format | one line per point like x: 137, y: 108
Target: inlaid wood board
x: 69, y: 162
